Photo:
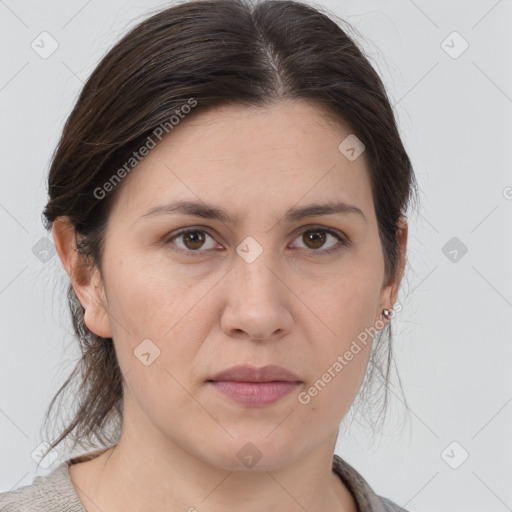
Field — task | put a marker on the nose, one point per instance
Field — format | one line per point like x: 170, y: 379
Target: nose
x: 258, y: 301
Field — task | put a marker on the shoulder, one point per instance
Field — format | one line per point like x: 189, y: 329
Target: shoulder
x: 366, y: 498
x: 53, y: 492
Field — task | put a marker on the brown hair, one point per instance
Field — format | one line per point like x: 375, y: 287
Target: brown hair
x: 215, y: 52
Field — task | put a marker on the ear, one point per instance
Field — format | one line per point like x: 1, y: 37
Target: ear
x: 390, y: 292
x: 85, y: 278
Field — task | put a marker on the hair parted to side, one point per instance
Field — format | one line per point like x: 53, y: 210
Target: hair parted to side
x: 216, y: 52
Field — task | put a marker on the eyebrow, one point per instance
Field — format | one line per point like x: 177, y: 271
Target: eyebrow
x: 212, y: 212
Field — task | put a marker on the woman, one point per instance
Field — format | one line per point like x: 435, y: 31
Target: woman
x: 228, y: 198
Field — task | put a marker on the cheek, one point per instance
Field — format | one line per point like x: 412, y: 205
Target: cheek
x: 328, y: 396
x: 341, y: 309
x: 148, y: 297
x: 157, y: 312
x: 340, y: 322
x: 158, y: 393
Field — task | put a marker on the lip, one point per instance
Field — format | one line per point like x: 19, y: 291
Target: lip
x: 247, y: 373
x: 255, y: 387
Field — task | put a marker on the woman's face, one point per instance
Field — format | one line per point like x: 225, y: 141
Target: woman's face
x: 266, y: 287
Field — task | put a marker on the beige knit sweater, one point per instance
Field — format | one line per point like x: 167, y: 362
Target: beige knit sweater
x: 55, y: 492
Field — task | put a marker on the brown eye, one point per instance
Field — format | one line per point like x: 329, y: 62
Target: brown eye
x: 192, y: 240
x: 316, y: 238
x: 195, y: 241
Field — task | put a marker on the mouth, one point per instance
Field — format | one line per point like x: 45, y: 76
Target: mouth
x: 254, y: 394
x: 247, y: 373
x: 255, y: 387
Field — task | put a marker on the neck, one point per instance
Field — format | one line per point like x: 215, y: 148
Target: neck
x: 133, y: 476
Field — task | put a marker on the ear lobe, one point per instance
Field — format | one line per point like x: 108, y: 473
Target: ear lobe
x: 85, y: 278
x: 97, y: 320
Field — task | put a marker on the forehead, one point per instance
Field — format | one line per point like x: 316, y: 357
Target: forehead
x: 250, y: 157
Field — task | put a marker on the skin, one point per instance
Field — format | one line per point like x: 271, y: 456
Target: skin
x: 210, y: 309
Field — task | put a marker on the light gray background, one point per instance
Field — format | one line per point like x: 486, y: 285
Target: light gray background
x: 452, y: 338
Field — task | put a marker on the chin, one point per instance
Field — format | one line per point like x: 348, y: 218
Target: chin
x: 251, y: 452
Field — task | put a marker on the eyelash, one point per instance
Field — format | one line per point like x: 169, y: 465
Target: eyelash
x: 336, y: 248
